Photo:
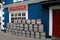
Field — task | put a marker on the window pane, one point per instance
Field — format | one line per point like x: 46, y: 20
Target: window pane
x: 19, y: 14
x: 12, y: 20
x: 15, y: 18
x: 23, y: 14
x: 23, y: 17
x: 15, y: 14
x: 19, y: 17
x: 12, y: 14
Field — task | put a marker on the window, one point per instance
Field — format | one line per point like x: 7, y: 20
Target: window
x: 12, y: 15
x: 15, y: 16
x: 18, y: 1
x: 23, y: 17
x: 19, y: 14
x: 23, y: 14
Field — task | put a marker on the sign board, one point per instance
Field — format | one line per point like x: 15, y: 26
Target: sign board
x: 16, y: 8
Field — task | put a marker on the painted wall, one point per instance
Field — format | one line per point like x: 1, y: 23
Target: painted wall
x: 36, y: 11
x: 26, y: 0
x: 8, y: 2
x: 6, y: 17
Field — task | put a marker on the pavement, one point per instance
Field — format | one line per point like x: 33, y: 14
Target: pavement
x: 6, y: 36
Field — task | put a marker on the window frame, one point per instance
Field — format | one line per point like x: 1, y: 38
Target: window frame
x: 17, y: 1
x: 10, y: 17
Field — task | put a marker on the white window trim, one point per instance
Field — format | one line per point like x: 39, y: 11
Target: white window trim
x: 17, y: 12
x: 27, y: 14
x: 17, y: 0
x: 51, y: 18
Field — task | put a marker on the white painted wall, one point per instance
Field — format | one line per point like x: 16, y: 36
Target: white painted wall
x: 2, y: 18
x: 17, y: 0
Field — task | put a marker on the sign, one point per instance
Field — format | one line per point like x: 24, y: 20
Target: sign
x: 16, y: 8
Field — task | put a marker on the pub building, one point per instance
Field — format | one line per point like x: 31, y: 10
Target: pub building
x: 46, y: 10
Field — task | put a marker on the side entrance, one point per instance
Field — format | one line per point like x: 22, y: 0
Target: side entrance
x: 56, y: 22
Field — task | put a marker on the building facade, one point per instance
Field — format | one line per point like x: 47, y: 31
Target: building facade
x: 32, y: 9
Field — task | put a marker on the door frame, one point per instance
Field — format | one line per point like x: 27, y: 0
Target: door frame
x: 51, y: 18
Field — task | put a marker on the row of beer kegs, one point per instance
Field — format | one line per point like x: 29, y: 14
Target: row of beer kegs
x: 29, y: 21
x: 27, y: 28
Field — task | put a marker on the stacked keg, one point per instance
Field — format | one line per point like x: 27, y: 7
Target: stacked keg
x: 27, y: 28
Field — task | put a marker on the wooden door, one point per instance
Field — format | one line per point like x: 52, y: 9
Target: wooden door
x: 56, y: 22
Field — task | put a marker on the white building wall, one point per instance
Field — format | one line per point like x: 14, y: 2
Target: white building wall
x: 2, y: 18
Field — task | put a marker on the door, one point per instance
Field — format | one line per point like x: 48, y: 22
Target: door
x: 56, y: 22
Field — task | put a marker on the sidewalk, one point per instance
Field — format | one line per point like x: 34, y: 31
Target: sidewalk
x: 6, y: 36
